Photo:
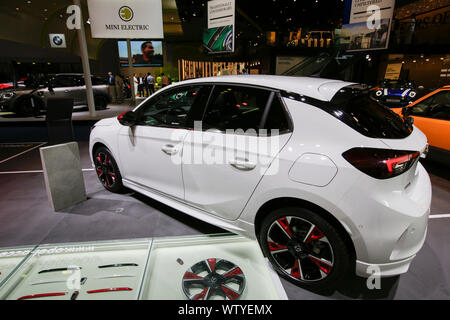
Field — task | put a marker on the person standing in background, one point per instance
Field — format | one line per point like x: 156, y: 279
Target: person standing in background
x: 112, y: 87
x: 135, y: 82
x: 119, y: 88
x: 164, y: 80
x: 150, y: 84
x: 141, y: 85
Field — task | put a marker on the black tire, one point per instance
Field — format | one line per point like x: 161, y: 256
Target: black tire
x: 25, y: 108
x: 100, y: 102
x: 107, y: 170
x: 311, y: 252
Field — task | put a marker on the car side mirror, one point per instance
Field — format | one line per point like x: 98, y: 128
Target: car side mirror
x: 128, y: 118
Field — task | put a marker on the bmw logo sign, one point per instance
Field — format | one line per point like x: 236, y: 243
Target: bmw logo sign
x: 57, y: 40
x: 126, y: 13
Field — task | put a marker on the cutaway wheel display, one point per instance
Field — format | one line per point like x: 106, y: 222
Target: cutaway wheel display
x: 213, y: 279
x: 107, y: 171
x: 304, y: 248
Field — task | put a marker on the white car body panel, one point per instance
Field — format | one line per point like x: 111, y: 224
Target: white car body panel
x: 204, y: 184
x: 144, y: 161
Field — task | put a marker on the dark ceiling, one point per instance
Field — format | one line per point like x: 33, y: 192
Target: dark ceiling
x: 274, y: 15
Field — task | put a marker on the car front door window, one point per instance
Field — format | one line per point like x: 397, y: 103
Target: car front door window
x: 175, y: 108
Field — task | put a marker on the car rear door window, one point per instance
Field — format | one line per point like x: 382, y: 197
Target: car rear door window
x: 63, y: 81
x: 175, y: 108
x: 234, y: 107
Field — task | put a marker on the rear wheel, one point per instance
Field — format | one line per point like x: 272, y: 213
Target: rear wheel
x: 107, y: 170
x: 304, y: 248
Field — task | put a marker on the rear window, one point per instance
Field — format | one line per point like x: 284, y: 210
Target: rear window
x: 353, y: 106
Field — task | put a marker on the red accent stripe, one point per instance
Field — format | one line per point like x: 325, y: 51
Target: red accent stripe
x: 322, y: 265
x: 285, y: 224
x: 190, y: 276
x: 43, y: 295
x: 295, y: 271
x: 212, y: 264
x: 230, y: 293
x: 273, y: 246
x: 109, y: 290
x: 235, y: 272
x: 315, y: 234
x: 201, y: 295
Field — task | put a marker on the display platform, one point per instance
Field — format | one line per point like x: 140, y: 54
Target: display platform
x: 145, y: 269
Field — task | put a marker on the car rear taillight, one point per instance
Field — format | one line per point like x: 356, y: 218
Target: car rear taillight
x: 381, y: 163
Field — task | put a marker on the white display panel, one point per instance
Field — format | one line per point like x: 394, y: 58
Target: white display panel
x: 147, y: 269
x: 165, y: 274
x: 94, y: 271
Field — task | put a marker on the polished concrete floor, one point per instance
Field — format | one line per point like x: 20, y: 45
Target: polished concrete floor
x: 26, y: 218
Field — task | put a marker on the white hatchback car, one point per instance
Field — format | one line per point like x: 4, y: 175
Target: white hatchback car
x: 324, y: 177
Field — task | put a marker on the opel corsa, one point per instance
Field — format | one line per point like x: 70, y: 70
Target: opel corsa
x: 325, y: 178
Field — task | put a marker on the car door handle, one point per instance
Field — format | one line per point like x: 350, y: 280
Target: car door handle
x: 169, y: 149
x: 242, y: 164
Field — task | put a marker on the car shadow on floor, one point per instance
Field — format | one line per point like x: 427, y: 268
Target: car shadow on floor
x: 355, y: 287
x: 179, y: 216
x: 351, y: 287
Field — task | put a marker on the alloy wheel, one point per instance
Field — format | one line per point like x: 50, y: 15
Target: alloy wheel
x: 213, y: 279
x: 105, y: 169
x: 300, y: 249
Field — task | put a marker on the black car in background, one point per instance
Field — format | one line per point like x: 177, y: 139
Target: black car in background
x: 32, y: 99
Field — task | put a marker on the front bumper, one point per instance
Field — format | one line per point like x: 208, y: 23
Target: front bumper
x: 5, y: 105
x: 383, y: 270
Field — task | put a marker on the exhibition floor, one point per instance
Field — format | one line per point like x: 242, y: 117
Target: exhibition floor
x: 26, y: 218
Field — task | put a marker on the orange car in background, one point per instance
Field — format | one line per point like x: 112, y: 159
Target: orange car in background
x: 431, y: 114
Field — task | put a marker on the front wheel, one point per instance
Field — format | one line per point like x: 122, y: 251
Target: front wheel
x: 107, y: 170
x: 304, y: 248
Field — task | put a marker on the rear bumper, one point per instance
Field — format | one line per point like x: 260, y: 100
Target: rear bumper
x: 391, y: 224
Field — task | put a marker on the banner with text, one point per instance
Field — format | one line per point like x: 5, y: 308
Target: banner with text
x: 219, y: 35
x: 369, y: 24
x: 126, y: 19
